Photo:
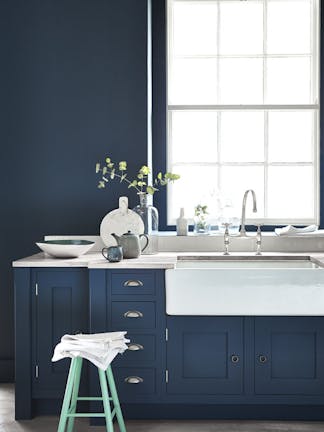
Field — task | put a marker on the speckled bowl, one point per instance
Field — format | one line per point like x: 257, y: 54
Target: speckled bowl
x: 65, y: 248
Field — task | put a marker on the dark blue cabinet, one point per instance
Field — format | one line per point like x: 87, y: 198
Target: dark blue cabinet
x: 205, y: 355
x: 176, y: 366
x: 48, y: 304
x: 60, y: 306
x: 133, y: 301
x: 289, y: 355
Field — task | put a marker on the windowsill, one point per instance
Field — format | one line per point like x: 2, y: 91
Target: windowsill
x: 168, y: 241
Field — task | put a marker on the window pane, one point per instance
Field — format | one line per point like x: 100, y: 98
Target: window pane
x: 194, y: 136
x: 289, y: 192
x: 193, y: 81
x: 288, y: 80
x: 235, y: 180
x: 289, y: 27
x: 241, y: 27
x: 197, y: 185
x: 194, y: 28
x: 244, y: 142
x: 240, y: 81
x: 290, y: 136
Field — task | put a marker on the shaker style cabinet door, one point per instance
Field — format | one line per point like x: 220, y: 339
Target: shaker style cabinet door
x: 289, y: 355
x: 60, y: 306
x: 204, y: 355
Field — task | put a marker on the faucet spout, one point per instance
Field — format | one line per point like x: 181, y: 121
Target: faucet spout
x: 242, y: 230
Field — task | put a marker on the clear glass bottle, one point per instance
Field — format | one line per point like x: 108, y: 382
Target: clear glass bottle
x: 201, y: 220
x: 148, y: 213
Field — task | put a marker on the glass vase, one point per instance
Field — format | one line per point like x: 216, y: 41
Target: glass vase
x: 148, y: 213
x: 201, y: 225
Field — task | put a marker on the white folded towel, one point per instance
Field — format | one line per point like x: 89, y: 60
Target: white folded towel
x: 291, y: 230
x: 98, y: 348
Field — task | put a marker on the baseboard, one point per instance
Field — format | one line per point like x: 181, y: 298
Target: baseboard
x: 7, y: 369
x: 197, y: 412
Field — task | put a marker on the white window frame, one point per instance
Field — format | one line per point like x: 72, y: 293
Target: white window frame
x: 259, y: 107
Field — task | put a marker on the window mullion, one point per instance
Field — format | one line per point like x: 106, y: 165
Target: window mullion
x: 266, y: 113
x: 196, y: 107
x: 266, y: 161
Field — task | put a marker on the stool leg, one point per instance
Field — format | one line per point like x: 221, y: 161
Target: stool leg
x: 75, y: 392
x: 67, y: 396
x: 115, y: 399
x: 105, y: 400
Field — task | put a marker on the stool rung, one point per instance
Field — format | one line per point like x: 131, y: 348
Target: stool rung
x: 86, y: 415
x: 84, y: 398
x: 90, y: 414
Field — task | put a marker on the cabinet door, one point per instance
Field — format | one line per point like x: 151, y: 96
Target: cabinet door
x: 289, y: 355
x: 60, y: 307
x: 205, y: 355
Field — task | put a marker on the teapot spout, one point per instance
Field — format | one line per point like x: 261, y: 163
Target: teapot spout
x: 117, y: 238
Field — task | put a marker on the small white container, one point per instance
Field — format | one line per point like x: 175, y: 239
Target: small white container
x: 182, y: 224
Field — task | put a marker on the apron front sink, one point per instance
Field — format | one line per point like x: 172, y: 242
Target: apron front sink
x: 245, y: 286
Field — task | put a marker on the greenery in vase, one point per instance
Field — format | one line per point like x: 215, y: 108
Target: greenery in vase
x: 201, y: 213
x: 111, y: 171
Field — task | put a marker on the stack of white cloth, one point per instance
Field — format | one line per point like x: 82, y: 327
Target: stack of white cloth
x: 98, y: 348
x: 291, y: 230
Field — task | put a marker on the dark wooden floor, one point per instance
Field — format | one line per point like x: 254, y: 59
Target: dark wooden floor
x: 49, y: 424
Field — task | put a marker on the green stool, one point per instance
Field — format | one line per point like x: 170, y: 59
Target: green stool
x: 71, y: 399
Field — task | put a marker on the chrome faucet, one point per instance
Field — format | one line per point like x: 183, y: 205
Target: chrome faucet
x: 242, y: 230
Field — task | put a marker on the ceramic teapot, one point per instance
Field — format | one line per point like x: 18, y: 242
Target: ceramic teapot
x: 131, y: 244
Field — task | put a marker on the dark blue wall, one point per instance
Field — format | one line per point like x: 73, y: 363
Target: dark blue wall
x: 73, y: 89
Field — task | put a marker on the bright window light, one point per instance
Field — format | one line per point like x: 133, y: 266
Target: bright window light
x: 243, y: 107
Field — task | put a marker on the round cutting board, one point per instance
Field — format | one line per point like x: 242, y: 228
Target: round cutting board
x: 120, y: 221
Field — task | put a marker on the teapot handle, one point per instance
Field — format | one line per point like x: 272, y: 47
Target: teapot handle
x: 105, y: 250
x: 147, y: 241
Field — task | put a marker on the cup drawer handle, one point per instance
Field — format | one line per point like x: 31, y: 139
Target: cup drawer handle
x: 133, y: 380
x: 133, y: 314
x: 135, y: 347
x: 133, y: 282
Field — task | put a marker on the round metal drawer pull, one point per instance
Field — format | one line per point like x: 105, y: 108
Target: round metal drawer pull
x: 135, y: 347
x: 133, y: 380
x: 263, y: 358
x: 235, y: 358
x: 133, y: 314
x: 133, y: 282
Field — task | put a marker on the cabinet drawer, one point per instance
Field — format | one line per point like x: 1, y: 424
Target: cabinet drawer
x: 133, y: 283
x: 142, y: 348
x: 133, y: 315
x: 132, y: 382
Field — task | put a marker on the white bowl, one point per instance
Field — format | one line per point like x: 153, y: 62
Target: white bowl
x: 65, y: 248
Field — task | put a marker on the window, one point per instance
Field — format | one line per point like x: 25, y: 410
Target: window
x: 243, y: 107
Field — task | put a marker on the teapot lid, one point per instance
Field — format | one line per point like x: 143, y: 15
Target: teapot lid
x: 129, y: 233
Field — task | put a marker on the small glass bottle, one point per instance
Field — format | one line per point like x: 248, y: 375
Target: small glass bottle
x: 182, y: 224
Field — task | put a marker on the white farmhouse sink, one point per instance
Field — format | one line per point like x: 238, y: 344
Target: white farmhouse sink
x: 245, y: 286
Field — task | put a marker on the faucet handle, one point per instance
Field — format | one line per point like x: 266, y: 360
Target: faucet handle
x: 226, y: 237
x: 226, y: 225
